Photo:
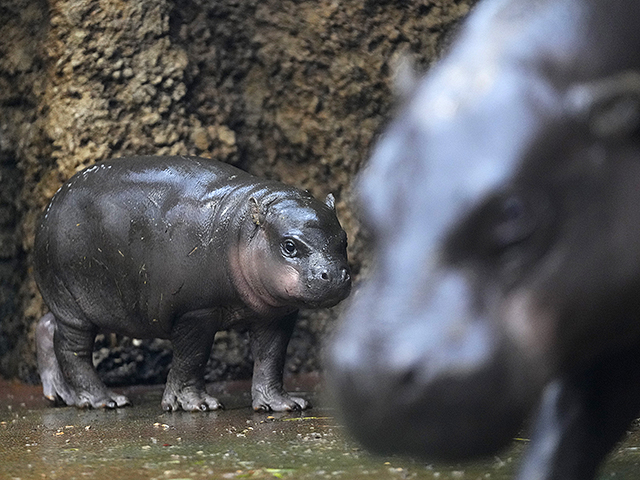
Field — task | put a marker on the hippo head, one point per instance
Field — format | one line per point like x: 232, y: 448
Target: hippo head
x: 296, y: 255
x: 502, y: 204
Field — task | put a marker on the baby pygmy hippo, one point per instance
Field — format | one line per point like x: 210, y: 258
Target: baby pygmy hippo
x: 179, y: 248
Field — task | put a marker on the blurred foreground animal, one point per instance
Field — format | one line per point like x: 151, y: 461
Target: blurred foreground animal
x: 504, y: 206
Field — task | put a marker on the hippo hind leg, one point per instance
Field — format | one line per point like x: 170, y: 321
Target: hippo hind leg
x: 66, y: 369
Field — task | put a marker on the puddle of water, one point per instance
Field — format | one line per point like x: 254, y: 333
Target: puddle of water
x: 38, y: 441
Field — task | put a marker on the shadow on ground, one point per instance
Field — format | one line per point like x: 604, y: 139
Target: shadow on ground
x: 38, y: 441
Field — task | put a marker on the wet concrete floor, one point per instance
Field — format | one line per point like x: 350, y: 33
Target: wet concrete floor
x: 38, y: 441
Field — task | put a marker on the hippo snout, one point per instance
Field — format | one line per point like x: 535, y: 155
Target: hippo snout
x: 326, y: 272
x: 339, y: 275
x: 330, y: 283
x: 445, y: 361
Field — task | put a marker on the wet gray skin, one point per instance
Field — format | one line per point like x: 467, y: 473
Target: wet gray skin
x: 503, y: 206
x: 178, y: 248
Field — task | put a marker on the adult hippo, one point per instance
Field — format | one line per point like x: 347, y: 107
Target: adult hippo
x: 503, y: 203
x: 178, y: 248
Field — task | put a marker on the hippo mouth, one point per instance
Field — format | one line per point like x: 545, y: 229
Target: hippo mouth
x: 325, y: 298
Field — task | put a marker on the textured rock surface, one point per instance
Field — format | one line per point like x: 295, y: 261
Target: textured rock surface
x: 292, y: 90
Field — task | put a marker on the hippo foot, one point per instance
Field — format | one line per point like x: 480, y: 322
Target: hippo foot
x: 58, y: 391
x: 281, y: 402
x: 106, y: 399
x: 189, y: 400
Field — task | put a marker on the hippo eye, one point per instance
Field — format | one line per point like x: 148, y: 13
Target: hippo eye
x: 515, y: 222
x: 289, y: 248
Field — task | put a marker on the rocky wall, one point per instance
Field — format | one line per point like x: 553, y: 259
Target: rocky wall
x: 289, y: 89
x: 23, y: 27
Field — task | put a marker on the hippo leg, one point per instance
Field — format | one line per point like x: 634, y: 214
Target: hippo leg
x: 192, y: 339
x: 269, y: 347
x: 54, y: 386
x: 74, y: 379
x: 582, y: 417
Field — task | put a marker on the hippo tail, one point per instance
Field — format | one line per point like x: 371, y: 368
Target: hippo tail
x: 54, y: 386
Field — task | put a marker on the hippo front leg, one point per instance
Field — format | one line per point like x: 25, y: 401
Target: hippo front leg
x: 581, y: 418
x: 192, y: 338
x: 269, y: 347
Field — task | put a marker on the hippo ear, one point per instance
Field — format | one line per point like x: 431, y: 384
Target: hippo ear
x: 404, y: 77
x: 610, y: 106
x: 330, y: 201
x: 256, y: 212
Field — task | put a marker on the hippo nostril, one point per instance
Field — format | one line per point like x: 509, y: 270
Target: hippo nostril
x: 408, y: 379
x: 344, y: 275
x: 337, y: 276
